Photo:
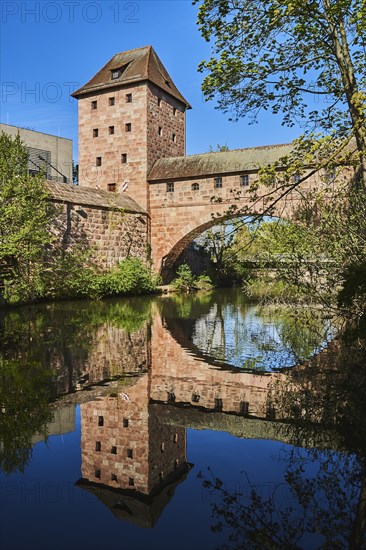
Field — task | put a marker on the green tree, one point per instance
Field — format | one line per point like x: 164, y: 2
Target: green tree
x: 282, y: 54
x: 25, y: 217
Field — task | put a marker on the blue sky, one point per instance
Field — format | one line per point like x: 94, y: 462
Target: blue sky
x: 50, y: 48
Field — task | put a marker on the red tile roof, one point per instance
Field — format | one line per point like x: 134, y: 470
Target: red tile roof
x: 139, y: 65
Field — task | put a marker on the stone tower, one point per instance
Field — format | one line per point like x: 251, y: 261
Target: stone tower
x: 130, y: 115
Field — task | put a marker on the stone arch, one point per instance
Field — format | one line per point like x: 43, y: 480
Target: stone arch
x: 173, y: 226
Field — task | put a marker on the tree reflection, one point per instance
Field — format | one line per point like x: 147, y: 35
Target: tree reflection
x: 44, y: 352
x: 321, y: 510
x: 323, y: 501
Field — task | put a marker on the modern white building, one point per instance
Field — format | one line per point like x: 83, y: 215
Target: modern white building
x: 48, y: 153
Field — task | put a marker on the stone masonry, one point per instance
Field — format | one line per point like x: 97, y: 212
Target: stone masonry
x: 113, y: 227
x: 132, y: 142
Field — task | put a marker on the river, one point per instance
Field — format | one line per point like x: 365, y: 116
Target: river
x: 196, y: 421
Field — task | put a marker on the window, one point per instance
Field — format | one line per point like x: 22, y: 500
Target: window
x: 131, y: 481
x: 111, y: 187
x: 98, y: 161
x: 174, y: 138
x: 129, y: 453
x: 244, y: 180
x: 330, y: 175
x: 116, y: 73
x: 100, y: 420
x: 270, y: 413
x: 98, y: 446
x: 174, y: 111
x: 171, y: 396
x: 170, y: 187
x: 195, y: 398
x: 124, y: 158
x: 244, y: 407
x: 160, y: 131
x: 113, y: 450
x: 111, y: 101
x: 128, y: 98
x: 125, y: 422
x: 114, y: 477
x: 111, y: 130
x: 128, y: 127
x: 218, y: 183
x: 159, y: 101
x: 218, y: 404
x: 97, y: 474
x: 95, y: 132
x: 195, y: 186
x: 94, y: 105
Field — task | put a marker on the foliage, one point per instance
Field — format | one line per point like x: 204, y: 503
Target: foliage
x: 130, y: 276
x: 25, y: 217
x: 186, y: 281
x: 283, y: 56
x: 25, y: 389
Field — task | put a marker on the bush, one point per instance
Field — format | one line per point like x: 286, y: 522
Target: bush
x: 130, y: 276
x: 186, y: 281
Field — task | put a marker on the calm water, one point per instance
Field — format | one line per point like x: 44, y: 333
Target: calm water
x: 198, y: 421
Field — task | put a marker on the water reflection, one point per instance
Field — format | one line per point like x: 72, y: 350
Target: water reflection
x: 143, y: 375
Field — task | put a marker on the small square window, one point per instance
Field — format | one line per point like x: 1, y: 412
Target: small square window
x: 94, y: 105
x: 95, y: 132
x: 174, y: 138
x: 124, y: 158
x: 97, y: 474
x: 100, y: 420
x: 170, y: 187
x: 244, y: 180
x: 111, y: 130
x: 98, y: 161
x: 113, y: 450
x: 112, y: 101
x: 114, y: 477
x: 160, y: 131
x: 195, y: 398
x: 116, y: 73
x: 111, y: 187
x: 128, y: 127
x: 270, y: 412
x: 195, y: 186
x: 129, y: 453
x: 128, y: 98
x: 131, y: 481
x: 98, y: 446
x: 218, y: 404
x: 125, y: 422
x: 218, y: 183
x: 244, y: 407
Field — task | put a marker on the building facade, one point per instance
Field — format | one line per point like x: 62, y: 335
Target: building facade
x: 49, y: 154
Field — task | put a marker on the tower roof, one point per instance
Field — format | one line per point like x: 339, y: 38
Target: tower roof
x: 132, y: 66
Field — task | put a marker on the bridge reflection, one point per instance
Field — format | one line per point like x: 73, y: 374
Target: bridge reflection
x: 141, y: 386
